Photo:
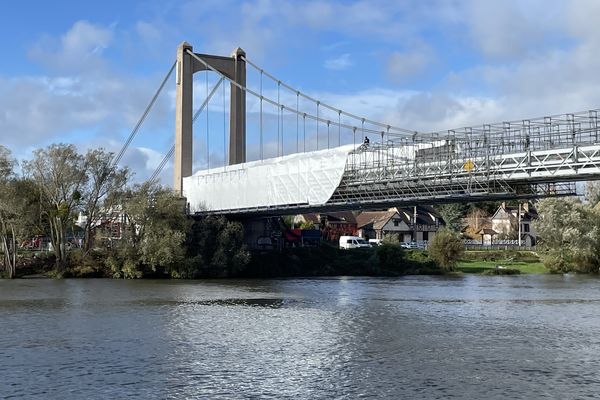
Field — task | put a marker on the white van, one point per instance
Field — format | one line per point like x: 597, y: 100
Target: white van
x: 352, y: 242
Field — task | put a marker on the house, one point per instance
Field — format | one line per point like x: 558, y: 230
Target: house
x: 411, y: 224
x: 487, y: 236
x: 506, y: 221
x: 111, y: 223
x: 312, y: 220
x: 377, y: 224
x: 332, y: 225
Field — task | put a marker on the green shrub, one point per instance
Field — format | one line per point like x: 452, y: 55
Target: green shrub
x: 446, y: 249
x: 390, y: 257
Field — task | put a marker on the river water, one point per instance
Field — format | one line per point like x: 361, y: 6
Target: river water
x: 473, y: 337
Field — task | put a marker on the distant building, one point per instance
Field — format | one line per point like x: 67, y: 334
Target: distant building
x: 332, y: 225
x: 411, y: 224
x: 376, y: 224
x: 505, y: 222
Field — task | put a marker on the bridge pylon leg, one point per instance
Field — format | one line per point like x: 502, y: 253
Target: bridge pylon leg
x: 183, y: 117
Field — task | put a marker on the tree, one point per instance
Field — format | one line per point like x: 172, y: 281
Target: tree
x: 592, y: 192
x: 445, y: 249
x: 216, y: 248
x: 103, y: 180
x: 569, y: 232
x: 153, y: 238
x: 8, y: 243
x: 453, y: 215
x: 59, y: 174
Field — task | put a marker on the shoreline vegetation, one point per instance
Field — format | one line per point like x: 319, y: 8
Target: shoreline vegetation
x: 324, y: 261
x: 100, y: 224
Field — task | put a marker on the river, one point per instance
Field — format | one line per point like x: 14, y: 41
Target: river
x: 472, y: 337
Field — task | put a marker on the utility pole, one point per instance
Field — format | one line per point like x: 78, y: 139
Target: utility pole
x: 519, y: 219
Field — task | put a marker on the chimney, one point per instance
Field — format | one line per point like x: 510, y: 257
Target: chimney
x: 526, y: 206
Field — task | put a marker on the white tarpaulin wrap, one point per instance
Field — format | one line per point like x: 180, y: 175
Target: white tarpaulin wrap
x: 304, y: 178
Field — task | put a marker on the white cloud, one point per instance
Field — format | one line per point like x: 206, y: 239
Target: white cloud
x: 403, y: 65
x: 524, y: 71
x: 80, y: 47
x: 339, y: 63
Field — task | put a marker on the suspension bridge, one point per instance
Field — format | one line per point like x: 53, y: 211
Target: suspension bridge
x: 346, y: 161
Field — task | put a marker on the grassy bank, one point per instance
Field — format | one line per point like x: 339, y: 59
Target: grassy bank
x: 526, y: 262
x: 477, y: 267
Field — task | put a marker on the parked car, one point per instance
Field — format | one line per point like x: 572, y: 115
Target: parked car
x: 353, y: 242
x: 409, y: 245
x: 375, y: 242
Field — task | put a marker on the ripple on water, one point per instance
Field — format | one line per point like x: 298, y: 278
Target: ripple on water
x: 418, y: 338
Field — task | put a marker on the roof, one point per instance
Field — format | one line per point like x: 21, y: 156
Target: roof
x: 487, y: 231
x: 376, y: 218
x: 512, y: 211
x: 342, y: 216
x: 426, y: 215
x: 314, y: 218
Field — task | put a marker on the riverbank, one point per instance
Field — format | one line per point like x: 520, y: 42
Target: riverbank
x: 484, y: 262
x: 478, y: 267
x: 331, y: 261
x: 326, y: 260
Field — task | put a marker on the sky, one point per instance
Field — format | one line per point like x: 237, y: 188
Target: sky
x: 83, y: 72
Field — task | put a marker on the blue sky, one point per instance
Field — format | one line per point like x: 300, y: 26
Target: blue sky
x: 82, y: 72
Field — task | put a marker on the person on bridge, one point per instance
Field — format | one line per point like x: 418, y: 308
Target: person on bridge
x: 366, y: 141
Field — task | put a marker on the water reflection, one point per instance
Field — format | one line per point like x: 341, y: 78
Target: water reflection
x: 414, y: 337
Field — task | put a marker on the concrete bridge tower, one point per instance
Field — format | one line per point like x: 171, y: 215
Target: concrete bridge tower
x: 233, y: 67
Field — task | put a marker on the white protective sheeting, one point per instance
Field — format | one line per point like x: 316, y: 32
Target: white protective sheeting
x: 303, y: 178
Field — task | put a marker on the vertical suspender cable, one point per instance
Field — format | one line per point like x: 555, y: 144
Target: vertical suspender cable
x: 317, y: 122
x: 207, y: 126
x: 278, y: 113
x: 328, y: 122
x: 304, y: 129
x: 282, y: 150
x: 224, y: 131
x: 261, y: 114
x: 297, y: 121
x: 168, y: 156
x: 363, y: 133
x: 339, y: 127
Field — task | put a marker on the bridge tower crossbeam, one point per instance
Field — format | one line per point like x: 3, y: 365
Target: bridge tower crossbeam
x: 234, y: 68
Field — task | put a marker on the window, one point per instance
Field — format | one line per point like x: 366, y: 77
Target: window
x: 349, y: 241
x: 396, y: 222
x: 525, y: 227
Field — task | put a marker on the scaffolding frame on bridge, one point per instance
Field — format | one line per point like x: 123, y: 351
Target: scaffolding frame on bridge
x: 493, y: 160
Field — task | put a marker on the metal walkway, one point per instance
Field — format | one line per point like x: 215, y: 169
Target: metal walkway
x: 523, y: 159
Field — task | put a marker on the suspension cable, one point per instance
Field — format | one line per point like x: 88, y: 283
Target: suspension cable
x: 170, y: 153
x: 371, y: 122
x: 162, y: 164
x: 291, y: 109
x: 135, y: 130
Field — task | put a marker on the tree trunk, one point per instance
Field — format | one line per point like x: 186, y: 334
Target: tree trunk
x: 13, y: 271
x: 9, y: 249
